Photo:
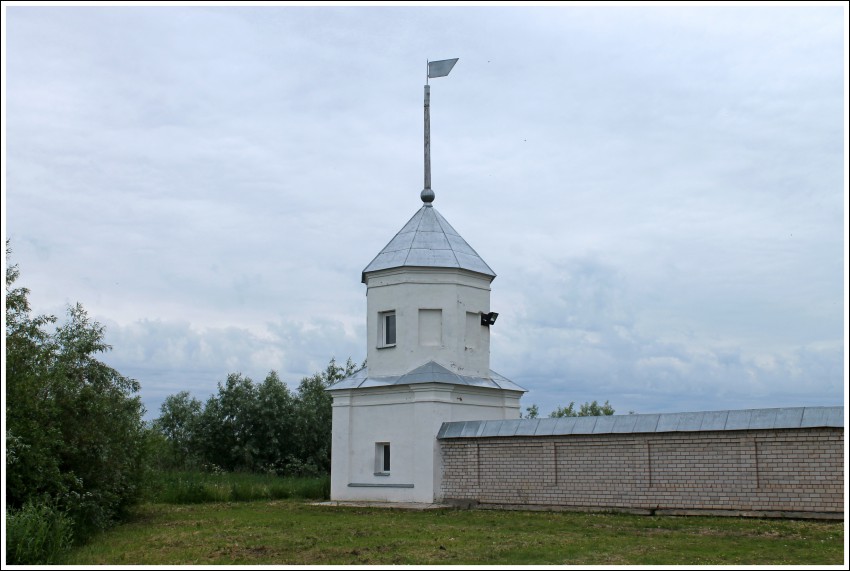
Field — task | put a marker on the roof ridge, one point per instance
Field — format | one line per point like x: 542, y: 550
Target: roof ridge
x: 440, y: 218
x: 440, y: 221
x: 422, y: 215
x: 396, y: 235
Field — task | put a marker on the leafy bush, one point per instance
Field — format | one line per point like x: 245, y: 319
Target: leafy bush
x: 74, y: 430
x: 37, y: 534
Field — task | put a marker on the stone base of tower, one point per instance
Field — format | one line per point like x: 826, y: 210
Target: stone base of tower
x: 385, y: 444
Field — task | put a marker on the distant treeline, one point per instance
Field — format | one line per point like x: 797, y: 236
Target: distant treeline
x: 586, y: 409
x: 252, y: 427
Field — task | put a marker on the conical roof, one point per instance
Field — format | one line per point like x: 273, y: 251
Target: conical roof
x: 428, y: 241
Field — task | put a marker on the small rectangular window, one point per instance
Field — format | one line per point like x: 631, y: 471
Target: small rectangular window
x: 382, y: 458
x: 386, y: 329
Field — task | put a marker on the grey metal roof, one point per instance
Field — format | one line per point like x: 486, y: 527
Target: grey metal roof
x: 430, y: 372
x: 751, y: 419
x: 428, y: 241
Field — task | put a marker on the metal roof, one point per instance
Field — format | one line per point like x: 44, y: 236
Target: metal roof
x: 751, y: 419
x: 428, y: 241
x: 430, y: 372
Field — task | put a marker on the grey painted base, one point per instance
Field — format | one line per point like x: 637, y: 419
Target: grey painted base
x: 356, y: 485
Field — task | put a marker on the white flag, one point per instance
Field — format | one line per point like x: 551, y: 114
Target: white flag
x: 441, y: 68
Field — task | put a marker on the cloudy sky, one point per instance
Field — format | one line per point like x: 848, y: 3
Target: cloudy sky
x: 660, y: 190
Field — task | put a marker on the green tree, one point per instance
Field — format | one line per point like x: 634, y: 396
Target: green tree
x: 75, y: 438
x: 227, y: 425
x: 32, y: 464
x: 275, y: 424
x: 179, y: 423
x: 587, y: 409
x: 314, y: 417
x: 259, y: 428
x: 532, y: 411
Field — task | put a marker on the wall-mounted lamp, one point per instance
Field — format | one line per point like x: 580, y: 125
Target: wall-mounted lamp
x: 488, y: 319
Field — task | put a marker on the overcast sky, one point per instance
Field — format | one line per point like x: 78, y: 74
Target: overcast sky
x: 660, y: 190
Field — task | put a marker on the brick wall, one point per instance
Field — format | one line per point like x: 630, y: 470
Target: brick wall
x: 780, y: 472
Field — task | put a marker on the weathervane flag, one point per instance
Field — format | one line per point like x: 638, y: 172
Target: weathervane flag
x: 441, y: 68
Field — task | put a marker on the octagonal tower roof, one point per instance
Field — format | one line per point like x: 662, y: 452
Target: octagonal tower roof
x: 428, y: 241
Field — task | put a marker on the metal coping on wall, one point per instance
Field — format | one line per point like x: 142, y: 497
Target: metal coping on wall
x: 749, y: 419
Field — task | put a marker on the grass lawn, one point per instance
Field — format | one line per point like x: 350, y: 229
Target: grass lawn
x: 293, y: 532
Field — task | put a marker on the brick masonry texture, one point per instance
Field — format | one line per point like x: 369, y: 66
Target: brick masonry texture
x: 758, y: 471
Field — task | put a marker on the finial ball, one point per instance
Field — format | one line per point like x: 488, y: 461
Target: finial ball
x: 427, y: 196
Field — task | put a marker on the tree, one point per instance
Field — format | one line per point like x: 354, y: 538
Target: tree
x: 587, y: 409
x: 178, y: 423
x: 314, y: 416
x: 251, y: 427
x: 74, y: 431
x: 31, y: 467
x: 275, y: 425
x: 532, y: 411
x: 227, y: 425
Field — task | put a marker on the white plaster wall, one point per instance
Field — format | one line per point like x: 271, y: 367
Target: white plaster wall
x: 408, y: 417
x: 406, y: 291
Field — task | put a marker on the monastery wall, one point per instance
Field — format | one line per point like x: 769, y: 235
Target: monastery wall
x: 781, y: 472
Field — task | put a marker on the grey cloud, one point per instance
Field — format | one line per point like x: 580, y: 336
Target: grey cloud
x: 660, y: 190
x: 579, y: 336
x: 170, y: 356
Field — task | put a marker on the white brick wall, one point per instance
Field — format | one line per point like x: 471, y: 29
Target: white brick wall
x: 759, y: 471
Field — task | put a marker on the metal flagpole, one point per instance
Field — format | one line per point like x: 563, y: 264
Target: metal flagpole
x: 427, y: 141
x: 435, y: 69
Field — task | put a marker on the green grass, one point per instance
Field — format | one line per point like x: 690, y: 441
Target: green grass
x: 38, y: 533
x: 201, y: 487
x: 295, y: 533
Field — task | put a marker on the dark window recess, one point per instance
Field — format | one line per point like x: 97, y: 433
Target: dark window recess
x: 389, y: 331
x: 386, y: 457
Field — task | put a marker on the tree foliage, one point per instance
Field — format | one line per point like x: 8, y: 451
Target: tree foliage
x: 178, y: 424
x: 254, y: 427
x: 74, y: 433
x: 586, y: 409
x: 531, y: 412
x: 314, y: 415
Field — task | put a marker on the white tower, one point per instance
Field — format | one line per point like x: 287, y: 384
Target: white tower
x: 428, y: 354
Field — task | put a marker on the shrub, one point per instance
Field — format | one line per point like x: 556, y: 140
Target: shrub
x: 74, y: 428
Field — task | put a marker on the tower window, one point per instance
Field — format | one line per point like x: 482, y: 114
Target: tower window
x: 386, y: 329
x: 382, y: 458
